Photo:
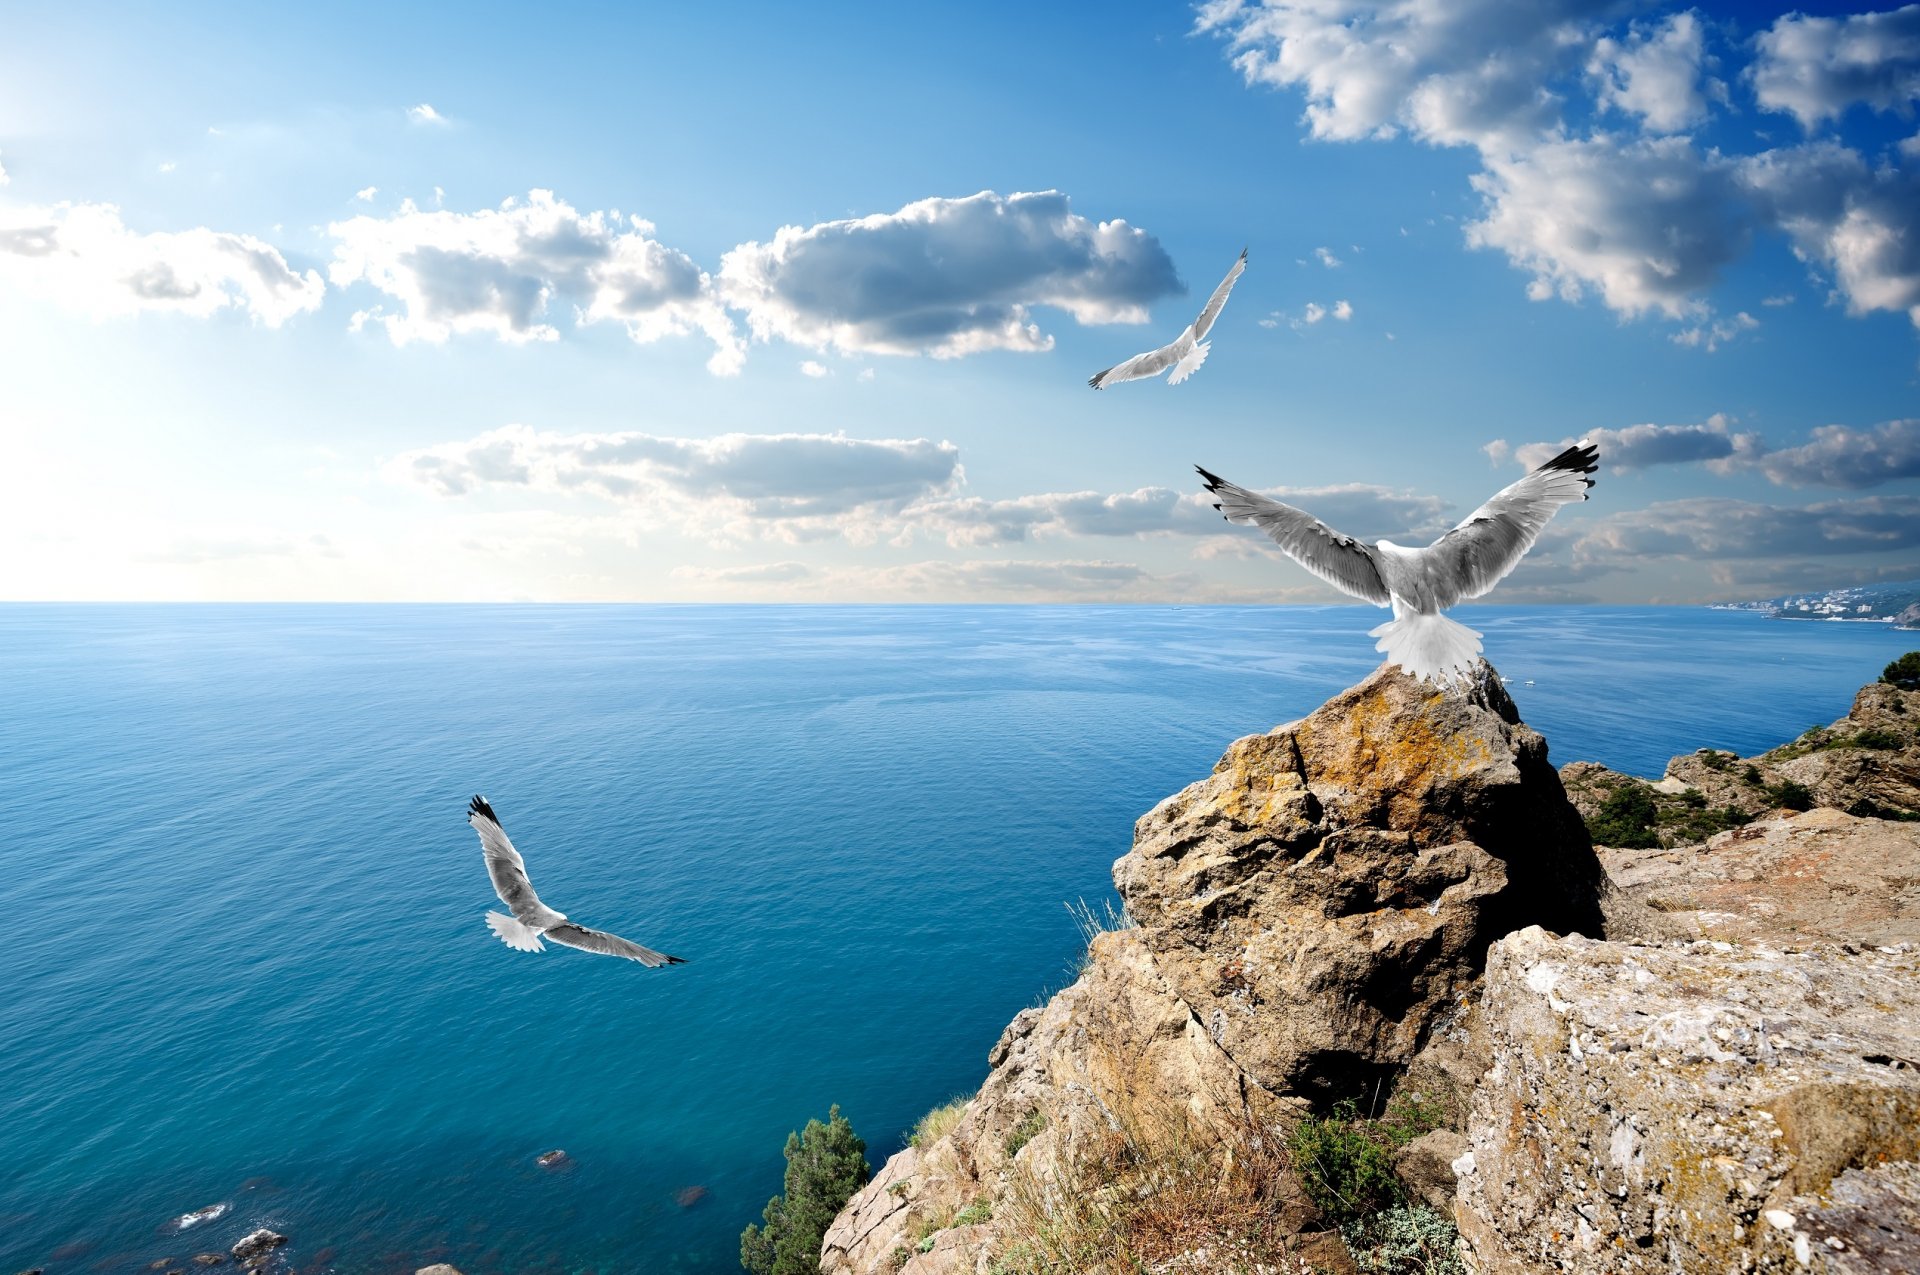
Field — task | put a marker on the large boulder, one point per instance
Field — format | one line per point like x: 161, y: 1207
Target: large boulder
x: 1787, y: 878
x: 1691, y: 1107
x: 1310, y: 921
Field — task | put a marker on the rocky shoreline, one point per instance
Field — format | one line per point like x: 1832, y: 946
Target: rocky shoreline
x: 1676, y: 1056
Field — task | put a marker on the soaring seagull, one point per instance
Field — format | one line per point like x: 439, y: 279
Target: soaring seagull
x: 533, y: 920
x: 1421, y: 583
x: 1189, y: 349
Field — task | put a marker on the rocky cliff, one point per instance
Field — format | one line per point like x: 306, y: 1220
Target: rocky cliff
x: 1393, y: 898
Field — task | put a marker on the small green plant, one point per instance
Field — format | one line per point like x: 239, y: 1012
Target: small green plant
x: 981, y: 1210
x: 926, y: 1242
x: 1875, y: 737
x: 1790, y: 794
x: 1346, y: 1168
x: 1625, y: 819
x: 826, y: 1164
x: 1405, y: 1240
x: 939, y: 1122
x: 1023, y: 1133
x: 1713, y: 759
x: 900, y: 1256
x: 1904, y: 672
x: 1753, y: 776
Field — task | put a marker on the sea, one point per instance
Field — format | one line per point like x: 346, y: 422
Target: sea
x: 244, y: 963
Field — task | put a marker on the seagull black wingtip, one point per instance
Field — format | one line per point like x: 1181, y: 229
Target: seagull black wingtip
x: 479, y: 806
x: 1213, y: 480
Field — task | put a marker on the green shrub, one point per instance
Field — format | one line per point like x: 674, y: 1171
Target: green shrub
x: 1790, y: 794
x: 1405, y: 1240
x: 826, y: 1164
x: 1713, y: 759
x: 981, y: 1210
x: 1023, y: 1133
x: 939, y: 1122
x: 1904, y: 672
x: 1875, y: 737
x: 1625, y: 819
x: 1753, y: 776
x: 1346, y: 1168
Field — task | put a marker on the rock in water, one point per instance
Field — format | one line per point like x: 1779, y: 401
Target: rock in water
x: 253, y: 1248
x: 551, y: 1159
x: 1690, y: 1106
x: 1309, y: 917
x: 209, y: 1259
x: 439, y: 1269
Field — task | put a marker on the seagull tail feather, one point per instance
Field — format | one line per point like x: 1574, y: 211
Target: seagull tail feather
x: 1191, y: 363
x: 1432, y: 647
x: 521, y: 938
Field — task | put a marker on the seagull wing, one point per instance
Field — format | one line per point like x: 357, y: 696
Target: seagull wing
x: 1490, y: 541
x: 508, y: 869
x: 1152, y: 363
x: 1341, y: 561
x: 609, y: 945
x: 1215, y: 302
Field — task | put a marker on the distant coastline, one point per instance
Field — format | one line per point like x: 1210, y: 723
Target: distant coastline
x: 1893, y: 604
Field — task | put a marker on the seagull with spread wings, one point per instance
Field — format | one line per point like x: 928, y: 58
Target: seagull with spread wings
x: 1421, y: 583
x: 1189, y: 349
x: 533, y: 920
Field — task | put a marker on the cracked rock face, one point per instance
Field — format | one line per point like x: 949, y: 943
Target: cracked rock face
x: 1691, y: 1106
x: 1309, y: 916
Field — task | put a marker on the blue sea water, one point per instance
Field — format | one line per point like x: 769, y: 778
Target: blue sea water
x: 245, y: 961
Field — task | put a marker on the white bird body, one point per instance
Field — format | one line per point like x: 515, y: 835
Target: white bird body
x: 1420, y: 583
x: 533, y: 920
x: 1185, y: 353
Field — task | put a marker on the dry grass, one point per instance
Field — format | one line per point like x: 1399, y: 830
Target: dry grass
x: 939, y: 1122
x: 1156, y: 1193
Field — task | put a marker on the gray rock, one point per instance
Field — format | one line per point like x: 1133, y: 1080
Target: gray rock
x: 253, y: 1248
x: 1425, y: 1165
x: 1685, y: 1106
x: 440, y: 1268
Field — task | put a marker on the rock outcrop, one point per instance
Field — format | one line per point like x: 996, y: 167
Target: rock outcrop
x: 1309, y: 919
x: 1786, y: 878
x: 1866, y: 763
x: 1691, y: 1107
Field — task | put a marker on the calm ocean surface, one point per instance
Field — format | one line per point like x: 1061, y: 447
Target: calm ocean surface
x: 246, y: 962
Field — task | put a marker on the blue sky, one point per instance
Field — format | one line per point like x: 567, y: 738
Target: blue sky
x: 781, y: 309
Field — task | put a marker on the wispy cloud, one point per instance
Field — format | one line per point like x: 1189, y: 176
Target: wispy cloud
x: 425, y: 114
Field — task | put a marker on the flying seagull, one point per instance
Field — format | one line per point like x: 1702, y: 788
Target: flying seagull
x: 533, y: 920
x: 1421, y: 583
x: 1189, y: 349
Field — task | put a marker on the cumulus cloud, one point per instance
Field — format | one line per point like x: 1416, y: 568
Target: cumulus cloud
x: 1643, y: 446
x: 1647, y: 223
x: 366, y: 193
x: 946, y: 277
x: 813, y: 369
x: 763, y: 573
x: 425, y: 114
x: 499, y: 271
x: 1655, y: 73
x: 1814, y: 68
x: 1837, y: 456
x: 1861, y: 223
x: 85, y: 257
x: 1720, y: 528
x: 788, y: 486
x: 1326, y: 258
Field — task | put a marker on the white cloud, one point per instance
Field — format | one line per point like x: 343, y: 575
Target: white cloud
x: 1646, y: 223
x: 813, y: 369
x: 1714, y: 333
x: 945, y: 277
x: 1777, y: 300
x: 1863, y: 224
x: 1642, y: 446
x: 83, y: 256
x: 1313, y: 313
x: 366, y: 193
x: 425, y: 114
x: 1837, y: 456
x: 1326, y: 258
x: 1814, y: 68
x: 788, y: 486
x: 498, y: 271
x: 1719, y: 528
x: 1655, y: 73
x: 167, y: 166
x: 1447, y: 71
x: 4, y: 179
x: 866, y: 374
x: 762, y: 573
x: 1342, y: 311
